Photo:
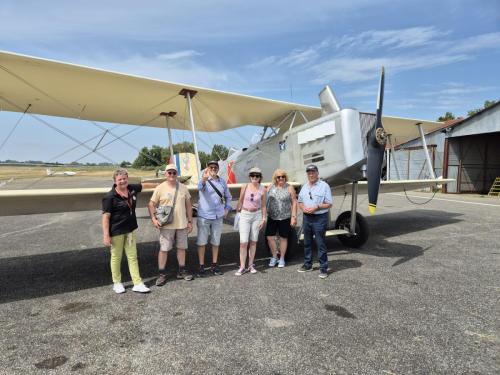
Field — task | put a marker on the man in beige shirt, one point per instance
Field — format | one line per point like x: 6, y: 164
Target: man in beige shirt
x: 177, y: 231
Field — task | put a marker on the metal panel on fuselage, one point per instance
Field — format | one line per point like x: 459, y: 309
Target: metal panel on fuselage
x: 338, y: 152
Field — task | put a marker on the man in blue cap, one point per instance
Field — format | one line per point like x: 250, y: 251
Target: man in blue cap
x: 315, y: 200
x: 213, y: 205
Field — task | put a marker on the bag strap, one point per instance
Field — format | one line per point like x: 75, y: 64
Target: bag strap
x: 175, y: 195
x: 216, y: 190
x: 240, y: 205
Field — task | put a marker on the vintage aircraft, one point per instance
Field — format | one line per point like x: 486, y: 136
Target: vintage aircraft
x: 347, y: 145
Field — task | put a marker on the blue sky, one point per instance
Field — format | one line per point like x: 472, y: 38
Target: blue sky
x: 439, y: 56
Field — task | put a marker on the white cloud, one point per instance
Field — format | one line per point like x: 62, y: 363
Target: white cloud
x: 477, y: 42
x: 365, y: 68
x: 458, y: 89
x: 178, y: 55
x: 353, y: 58
x: 392, y: 39
x: 167, y: 20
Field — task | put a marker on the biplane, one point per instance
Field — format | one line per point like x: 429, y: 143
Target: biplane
x: 348, y: 146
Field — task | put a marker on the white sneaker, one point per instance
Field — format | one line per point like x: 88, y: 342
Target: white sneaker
x: 240, y: 272
x: 281, y: 263
x: 141, y: 288
x: 252, y: 269
x: 118, y: 288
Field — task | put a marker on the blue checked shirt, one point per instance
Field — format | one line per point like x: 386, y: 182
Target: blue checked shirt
x: 210, y: 205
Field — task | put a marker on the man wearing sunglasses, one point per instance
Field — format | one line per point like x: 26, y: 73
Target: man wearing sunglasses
x: 213, y: 205
x: 315, y: 200
x: 172, y: 193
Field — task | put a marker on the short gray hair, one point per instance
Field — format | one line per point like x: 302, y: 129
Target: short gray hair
x: 120, y: 172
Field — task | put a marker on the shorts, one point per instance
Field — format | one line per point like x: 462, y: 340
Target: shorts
x: 208, y: 228
x: 169, y: 236
x: 282, y: 227
x: 249, y: 225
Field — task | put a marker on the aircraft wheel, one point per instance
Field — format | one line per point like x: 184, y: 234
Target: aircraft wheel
x: 362, y: 231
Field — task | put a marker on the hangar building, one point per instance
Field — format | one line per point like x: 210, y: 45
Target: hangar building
x: 467, y: 150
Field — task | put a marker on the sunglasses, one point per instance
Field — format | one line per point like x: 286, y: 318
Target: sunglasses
x: 214, y: 168
x: 170, y: 173
x: 255, y: 175
x: 310, y: 196
x: 278, y: 177
x: 251, y: 196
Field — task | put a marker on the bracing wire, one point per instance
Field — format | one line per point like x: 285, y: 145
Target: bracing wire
x: 14, y: 127
x: 46, y: 123
x: 422, y: 203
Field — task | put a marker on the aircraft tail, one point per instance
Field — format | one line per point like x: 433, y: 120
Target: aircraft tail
x: 49, y: 172
x: 186, y: 165
x: 231, y: 177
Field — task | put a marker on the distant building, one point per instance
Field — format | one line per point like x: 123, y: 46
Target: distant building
x: 467, y: 150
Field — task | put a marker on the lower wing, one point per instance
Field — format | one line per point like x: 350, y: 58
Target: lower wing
x: 41, y: 201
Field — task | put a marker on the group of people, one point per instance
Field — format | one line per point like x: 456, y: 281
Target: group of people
x: 274, y: 208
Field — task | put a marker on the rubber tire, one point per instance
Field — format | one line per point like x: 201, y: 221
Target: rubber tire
x: 362, y: 231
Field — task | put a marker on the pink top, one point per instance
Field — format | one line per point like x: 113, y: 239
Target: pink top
x: 252, y: 200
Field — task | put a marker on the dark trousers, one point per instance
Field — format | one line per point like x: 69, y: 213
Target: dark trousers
x: 315, y: 226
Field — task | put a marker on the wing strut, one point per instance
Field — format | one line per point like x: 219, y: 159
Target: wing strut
x: 189, y: 94
x: 393, y: 153
x: 170, y: 145
x: 424, y: 145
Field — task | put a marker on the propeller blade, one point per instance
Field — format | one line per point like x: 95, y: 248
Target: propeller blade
x: 376, y: 147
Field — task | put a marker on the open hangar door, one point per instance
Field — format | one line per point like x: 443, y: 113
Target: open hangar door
x: 474, y: 161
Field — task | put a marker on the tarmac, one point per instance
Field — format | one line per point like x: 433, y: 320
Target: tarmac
x: 420, y: 297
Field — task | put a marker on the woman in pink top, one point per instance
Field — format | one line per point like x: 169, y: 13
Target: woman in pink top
x: 252, y: 208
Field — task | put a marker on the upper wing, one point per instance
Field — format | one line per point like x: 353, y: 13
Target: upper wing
x: 403, y: 129
x: 66, y: 90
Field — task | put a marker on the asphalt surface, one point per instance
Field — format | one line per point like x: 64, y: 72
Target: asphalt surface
x: 421, y: 297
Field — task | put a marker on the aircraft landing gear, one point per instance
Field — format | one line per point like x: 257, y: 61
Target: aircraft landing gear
x: 361, y: 231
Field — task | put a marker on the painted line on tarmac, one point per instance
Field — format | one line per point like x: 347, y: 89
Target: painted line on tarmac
x: 447, y: 200
x: 31, y: 229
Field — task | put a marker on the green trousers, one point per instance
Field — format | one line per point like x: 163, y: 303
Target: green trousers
x: 125, y: 242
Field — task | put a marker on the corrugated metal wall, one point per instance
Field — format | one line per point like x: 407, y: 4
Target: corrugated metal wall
x: 476, y: 158
x: 412, y: 164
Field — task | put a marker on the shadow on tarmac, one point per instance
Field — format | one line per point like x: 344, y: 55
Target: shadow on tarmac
x: 400, y: 223
x: 42, y: 275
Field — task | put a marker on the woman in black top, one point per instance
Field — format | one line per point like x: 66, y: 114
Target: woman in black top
x: 118, y: 228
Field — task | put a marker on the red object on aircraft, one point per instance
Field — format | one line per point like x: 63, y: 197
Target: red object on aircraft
x: 231, y: 178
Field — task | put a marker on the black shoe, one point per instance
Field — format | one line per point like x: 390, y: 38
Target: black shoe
x: 183, y: 274
x: 305, y: 268
x: 216, y: 270
x: 202, y: 272
x: 161, y: 280
x: 323, y: 274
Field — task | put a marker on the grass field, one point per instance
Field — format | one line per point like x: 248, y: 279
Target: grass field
x: 29, y: 171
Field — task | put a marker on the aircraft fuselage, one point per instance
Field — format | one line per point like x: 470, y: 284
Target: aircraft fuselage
x: 336, y: 143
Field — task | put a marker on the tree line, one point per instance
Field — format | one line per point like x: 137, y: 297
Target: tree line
x: 450, y: 116
x: 158, y: 157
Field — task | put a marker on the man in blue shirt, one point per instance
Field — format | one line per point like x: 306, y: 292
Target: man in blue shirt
x: 315, y: 200
x: 213, y: 205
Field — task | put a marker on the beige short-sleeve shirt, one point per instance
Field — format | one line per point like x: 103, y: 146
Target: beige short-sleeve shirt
x: 164, y: 196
